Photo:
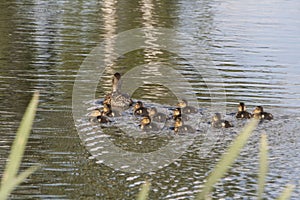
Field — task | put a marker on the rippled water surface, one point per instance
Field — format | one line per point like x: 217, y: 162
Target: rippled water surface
x: 220, y: 53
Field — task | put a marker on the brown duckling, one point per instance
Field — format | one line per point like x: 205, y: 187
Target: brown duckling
x: 157, y: 116
x: 179, y: 127
x: 97, y: 116
x: 139, y: 109
x: 147, y: 125
x: 242, y: 113
x: 217, y: 122
x: 177, y: 114
x: 183, y: 104
x: 259, y: 113
x: 107, y: 111
x: 95, y: 113
x: 107, y: 99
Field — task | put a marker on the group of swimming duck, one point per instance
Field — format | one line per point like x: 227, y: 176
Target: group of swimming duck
x: 149, y: 116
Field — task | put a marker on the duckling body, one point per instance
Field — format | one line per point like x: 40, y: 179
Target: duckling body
x: 259, y: 113
x: 178, y: 114
x: 102, y: 119
x: 217, y: 122
x: 179, y: 127
x: 157, y: 116
x: 186, y: 108
x: 140, y: 110
x: 242, y: 113
x: 95, y: 113
x: 147, y: 125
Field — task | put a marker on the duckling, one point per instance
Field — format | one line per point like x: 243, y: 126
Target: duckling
x: 217, y: 122
x: 107, y: 99
x: 107, y: 111
x: 97, y: 116
x: 139, y: 109
x: 242, y: 113
x: 157, y: 116
x: 259, y: 113
x: 117, y: 98
x: 147, y: 125
x: 177, y: 114
x: 179, y: 127
x: 186, y: 108
x: 95, y: 113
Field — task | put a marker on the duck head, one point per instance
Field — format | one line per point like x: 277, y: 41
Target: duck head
x: 115, y: 82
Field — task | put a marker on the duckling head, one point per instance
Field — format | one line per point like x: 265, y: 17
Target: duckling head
x: 145, y: 121
x: 138, y: 105
x: 177, y: 112
x: 106, y: 108
x: 178, y: 122
x: 107, y: 99
x: 241, y: 107
x: 152, y: 111
x: 216, y: 117
x: 258, y: 110
x: 182, y: 103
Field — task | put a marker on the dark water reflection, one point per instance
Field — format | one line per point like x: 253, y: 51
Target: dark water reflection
x: 254, y: 46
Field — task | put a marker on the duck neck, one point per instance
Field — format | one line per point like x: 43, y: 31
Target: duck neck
x: 116, y: 85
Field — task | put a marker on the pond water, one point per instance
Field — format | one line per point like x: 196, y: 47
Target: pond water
x: 214, y: 53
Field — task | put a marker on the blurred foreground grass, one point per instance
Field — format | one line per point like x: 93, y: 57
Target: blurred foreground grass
x: 11, y: 178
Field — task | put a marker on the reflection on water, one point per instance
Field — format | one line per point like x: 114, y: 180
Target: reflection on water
x: 253, y: 46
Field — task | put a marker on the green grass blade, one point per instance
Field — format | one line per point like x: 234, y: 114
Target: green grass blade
x: 227, y: 159
x: 18, y: 147
x: 287, y: 192
x: 143, y: 194
x: 10, y: 185
x: 263, y: 165
x: 23, y: 175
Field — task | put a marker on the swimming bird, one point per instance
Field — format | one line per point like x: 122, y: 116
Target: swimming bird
x: 242, y: 113
x: 177, y: 114
x: 139, y: 109
x: 116, y: 98
x: 217, y: 122
x: 107, y: 111
x: 183, y: 104
x: 97, y: 116
x: 179, y: 127
x: 147, y: 125
x: 157, y: 116
x: 259, y: 113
